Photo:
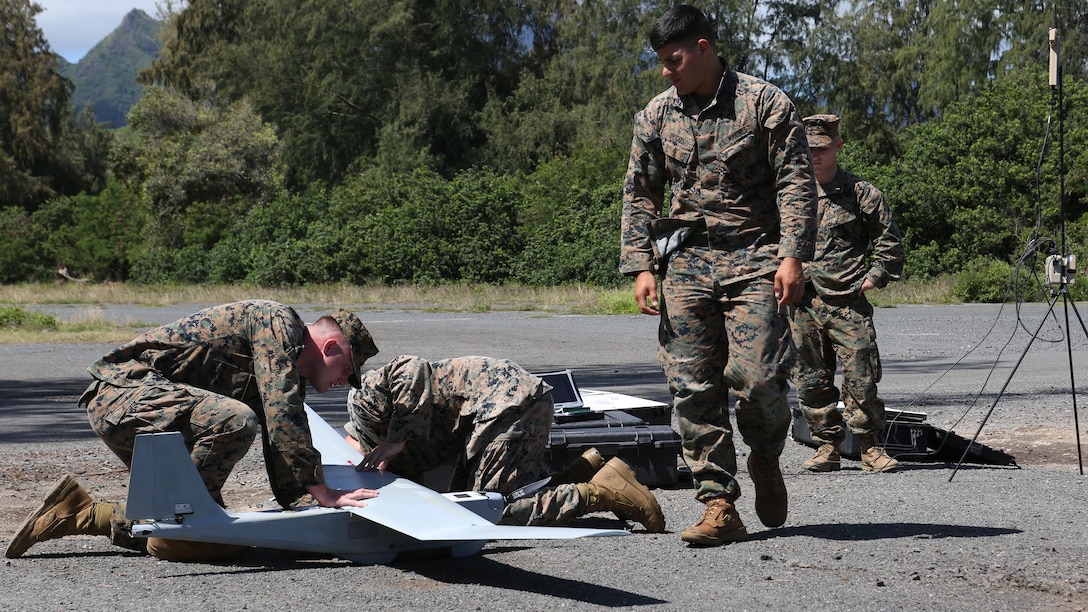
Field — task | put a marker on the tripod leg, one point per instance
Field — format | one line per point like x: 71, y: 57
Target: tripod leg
x: 989, y: 412
x: 1069, y: 303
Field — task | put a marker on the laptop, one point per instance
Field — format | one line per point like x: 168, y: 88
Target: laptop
x: 564, y: 391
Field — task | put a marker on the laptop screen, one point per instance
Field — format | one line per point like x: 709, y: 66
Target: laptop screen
x: 564, y: 390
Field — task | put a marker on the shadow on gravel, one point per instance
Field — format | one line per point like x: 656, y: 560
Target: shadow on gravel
x: 43, y: 412
x: 884, y: 531
x: 479, y: 570
x: 474, y: 570
x: 48, y: 412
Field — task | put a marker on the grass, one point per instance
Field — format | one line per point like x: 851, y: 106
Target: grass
x: 932, y: 291
x: 454, y: 297
x: 21, y: 324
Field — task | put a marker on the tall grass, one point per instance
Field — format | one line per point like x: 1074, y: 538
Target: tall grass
x: 931, y: 291
x: 467, y: 297
x: 585, y: 299
x: 22, y: 325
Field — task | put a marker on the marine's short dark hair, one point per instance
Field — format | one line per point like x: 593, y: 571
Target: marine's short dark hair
x: 681, y: 23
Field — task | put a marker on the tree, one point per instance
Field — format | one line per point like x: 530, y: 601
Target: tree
x: 43, y: 152
x: 966, y: 186
x: 354, y: 83
x: 96, y: 236
x: 591, y: 71
x: 212, y: 151
x: 1025, y: 39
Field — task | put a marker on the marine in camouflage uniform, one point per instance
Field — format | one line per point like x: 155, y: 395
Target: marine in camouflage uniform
x: 858, y: 248
x: 218, y: 376
x: 491, y: 419
x: 731, y: 149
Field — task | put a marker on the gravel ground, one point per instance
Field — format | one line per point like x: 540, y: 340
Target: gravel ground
x: 928, y: 537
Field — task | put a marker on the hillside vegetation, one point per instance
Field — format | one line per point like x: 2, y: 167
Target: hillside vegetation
x: 105, y: 78
x: 280, y: 144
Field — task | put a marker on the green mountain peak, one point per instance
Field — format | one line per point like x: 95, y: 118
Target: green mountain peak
x: 105, y: 78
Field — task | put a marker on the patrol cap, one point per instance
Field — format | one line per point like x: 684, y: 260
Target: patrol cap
x: 821, y: 130
x: 362, y: 345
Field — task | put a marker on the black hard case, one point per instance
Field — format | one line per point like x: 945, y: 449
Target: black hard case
x: 905, y: 435
x: 652, y: 451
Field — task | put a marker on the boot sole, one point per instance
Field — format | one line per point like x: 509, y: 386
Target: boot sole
x: 888, y: 468
x: 59, y: 491
x: 824, y: 467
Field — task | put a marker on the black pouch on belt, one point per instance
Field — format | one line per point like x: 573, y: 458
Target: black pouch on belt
x: 670, y: 234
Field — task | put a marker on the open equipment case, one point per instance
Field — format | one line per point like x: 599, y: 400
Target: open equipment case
x: 635, y: 429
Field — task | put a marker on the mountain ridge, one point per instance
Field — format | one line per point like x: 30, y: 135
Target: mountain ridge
x: 105, y: 78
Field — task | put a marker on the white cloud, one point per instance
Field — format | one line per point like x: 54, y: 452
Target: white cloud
x: 72, y: 27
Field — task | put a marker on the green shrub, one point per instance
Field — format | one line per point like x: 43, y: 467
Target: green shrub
x: 571, y: 220
x: 931, y: 261
x: 421, y: 228
x: 20, y: 258
x: 576, y: 240
x: 96, y: 236
x: 160, y: 265
x: 989, y: 281
x: 13, y: 317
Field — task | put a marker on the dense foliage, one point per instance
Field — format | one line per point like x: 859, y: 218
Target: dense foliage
x: 423, y: 141
x: 46, y: 150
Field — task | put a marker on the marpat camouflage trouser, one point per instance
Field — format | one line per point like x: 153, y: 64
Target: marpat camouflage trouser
x: 827, y: 334
x: 488, y: 417
x: 513, y: 448
x: 547, y: 507
x: 711, y: 335
x: 512, y: 457
x: 218, y: 430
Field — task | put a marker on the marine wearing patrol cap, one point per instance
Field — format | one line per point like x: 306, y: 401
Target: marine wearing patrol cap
x: 362, y: 344
x: 821, y: 130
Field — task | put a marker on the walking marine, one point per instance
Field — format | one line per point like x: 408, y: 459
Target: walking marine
x: 731, y: 149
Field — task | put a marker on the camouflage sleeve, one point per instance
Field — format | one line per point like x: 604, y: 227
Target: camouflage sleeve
x: 275, y: 338
x: 887, y: 254
x: 410, y: 407
x: 369, y: 408
x: 795, y: 180
x: 643, y: 195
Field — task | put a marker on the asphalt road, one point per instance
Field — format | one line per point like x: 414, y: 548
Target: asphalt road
x: 928, y: 537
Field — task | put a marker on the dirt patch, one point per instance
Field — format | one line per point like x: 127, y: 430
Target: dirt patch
x: 1036, y: 445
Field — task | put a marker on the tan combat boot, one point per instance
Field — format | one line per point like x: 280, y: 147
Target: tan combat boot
x: 582, y: 469
x: 827, y: 459
x: 874, y: 458
x: 772, y: 502
x: 719, y: 525
x: 614, y: 488
x: 67, y: 510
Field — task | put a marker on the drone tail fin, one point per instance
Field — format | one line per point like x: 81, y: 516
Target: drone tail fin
x: 164, y: 484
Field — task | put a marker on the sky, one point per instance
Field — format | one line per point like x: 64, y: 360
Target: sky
x: 72, y: 27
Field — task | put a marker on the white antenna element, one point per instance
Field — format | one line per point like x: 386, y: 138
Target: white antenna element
x: 1055, y: 48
